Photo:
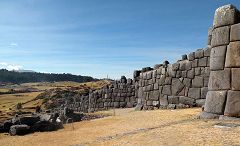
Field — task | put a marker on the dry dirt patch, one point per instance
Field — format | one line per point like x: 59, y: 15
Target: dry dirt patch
x: 129, y: 127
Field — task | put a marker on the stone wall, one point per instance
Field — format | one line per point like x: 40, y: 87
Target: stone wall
x: 223, y: 97
x: 176, y: 85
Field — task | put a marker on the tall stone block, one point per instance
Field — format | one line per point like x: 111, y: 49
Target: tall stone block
x: 219, y: 80
x: 235, y: 32
x: 235, y: 79
x: 217, y: 59
x: 226, y: 15
x: 233, y: 55
x: 215, y: 102
x: 233, y: 104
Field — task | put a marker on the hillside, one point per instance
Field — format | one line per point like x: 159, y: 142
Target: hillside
x: 27, y: 77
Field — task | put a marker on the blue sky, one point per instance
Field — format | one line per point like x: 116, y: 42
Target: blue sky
x: 101, y: 37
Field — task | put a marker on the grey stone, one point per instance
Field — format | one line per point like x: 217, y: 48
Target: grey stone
x: 197, y: 82
x: 139, y: 107
x: 194, y: 93
x: 187, y: 82
x: 191, y: 56
x: 173, y: 99
x: 184, y: 73
x: 233, y: 55
x: 154, y: 95
x: 156, y: 86
x: 195, y: 63
x: 171, y: 106
x: 205, y: 81
x: 184, y: 57
x: 204, y: 91
x: 206, y: 115
x: 163, y: 100
x: 220, y: 36
x: 167, y: 90
x: 149, y: 102
x: 175, y: 66
x: 200, y: 102
x: 168, y: 81
x: 215, y: 102
x: 190, y: 74
x: 209, y: 36
x: 217, y: 59
x: 232, y: 108
x: 226, y: 15
x: 219, y: 80
x: 177, y: 86
x: 235, y: 78
x: 197, y: 71
x: 185, y: 65
x: 187, y: 101
x: 156, y: 103
x: 235, y: 32
x: 207, y: 52
x: 199, y: 53
x: 202, y: 62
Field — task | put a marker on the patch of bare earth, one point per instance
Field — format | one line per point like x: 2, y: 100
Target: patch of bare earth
x: 129, y: 127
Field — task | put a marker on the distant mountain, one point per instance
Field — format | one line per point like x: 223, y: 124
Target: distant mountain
x: 26, y: 76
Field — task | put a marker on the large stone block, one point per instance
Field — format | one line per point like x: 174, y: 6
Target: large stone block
x: 154, y: 95
x: 219, y: 80
x: 191, y: 56
x: 233, y: 55
x: 207, y: 52
x: 215, y: 102
x: 177, y: 86
x: 235, y: 79
x: 167, y: 90
x: 235, y: 32
x: 217, y: 59
x: 220, y: 36
x: 164, y: 100
x: 173, y: 100
x: 194, y: 93
x: 233, y: 104
x: 187, y: 101
x: 209, y: 36
x: 190, y: 73
x: 226, y: 15
x: 200, y: 102
x: 197, y: 82
x: 199, y: 53
x: 185, y: 65
x: 175, y: 66
x: 195, y: 63
x: 204, y: 91
x: 202, y: 62
x: 187, y: 82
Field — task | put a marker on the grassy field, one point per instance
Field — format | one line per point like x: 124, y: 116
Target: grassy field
x: 140, y: 128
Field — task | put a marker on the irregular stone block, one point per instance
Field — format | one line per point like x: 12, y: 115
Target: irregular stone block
x: 204, y: 91
x: 197, y: 82
x: 220, y: 36
x: 149, y: 103
x: 167, y: 90
x: 177, y: 86
x: 173, y: 100
x: 156, y: 86
x: 226, y: 15
x: 235, y: 78
x: 185, y: 65
x: 194, y: 93
x: 149, y: 75
x: 217, y: 59
x: 202, y: 62
x: 215, y: 102
x: 195, y: 63
x: 233, y: 55
x: 187, y: 82
x: 184, y: 57
x: 197, y: 71
x: 156, y: 103
x: 206, y: 115
x: 205, y: 81
x: 235, y: 32
x: 200, y: 102
x: 207, y: 52
x: 187, y: 101
x: 175, y: 66
x: 219, y: 80
x: 232, y: 108
x: 168, y: 81
x: 199, y: 53
x: 184, y: 73
x: 164, y: 100
x: 190, y: 74
x: 154, y: 95
x: 191, y: 56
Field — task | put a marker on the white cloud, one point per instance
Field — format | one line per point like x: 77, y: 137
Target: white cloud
x: 14, y: 44
x: 7, y: 66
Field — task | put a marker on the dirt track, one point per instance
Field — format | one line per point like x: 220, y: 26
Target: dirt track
x: 129, y: 127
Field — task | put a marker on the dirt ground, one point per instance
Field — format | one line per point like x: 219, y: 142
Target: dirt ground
x: 140, y: 128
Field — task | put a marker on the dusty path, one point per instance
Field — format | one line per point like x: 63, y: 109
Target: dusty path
x: 129, y: 127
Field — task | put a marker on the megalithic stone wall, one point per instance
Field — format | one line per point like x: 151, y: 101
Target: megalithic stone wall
x: 223, y: 97
x: 177, y: 85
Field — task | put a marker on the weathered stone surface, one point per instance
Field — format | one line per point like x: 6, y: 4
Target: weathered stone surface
x: 173, y: 99
x: 164, y: 100
x: 154, y: 95
x: 197, y: 71
x: 156, y: 86
x: 194, y: 93
x: 185, y: 65
x: 215, y: 102
x: 167, y: 90
x: 190, y: 73
x: 156, y: 103
x: 168, y: 81
x: 205, y: 81
x: 149, y: 75
x: 191, y: 56
x: 199, y: 53
x: 204, y: 91
x: 195, y: 63
x: 233, y: 55
x: 197, y: 82
x: 187, y: 82
x: 149, y: 102
x: 226, y: 15
x: 217, y: 59
x: 207, y: 52
x: 206, y: 115
x: 177, y: 86
x: 235, y: 32
x: 233, y: 104
x: 200, y: 102
x: 175, y: 66
x: 187, y: 101
x: 220, y: 36
x: 235, y: 78
x: 202, y: 62
x: 184, y: 57
x: 219, y: 80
